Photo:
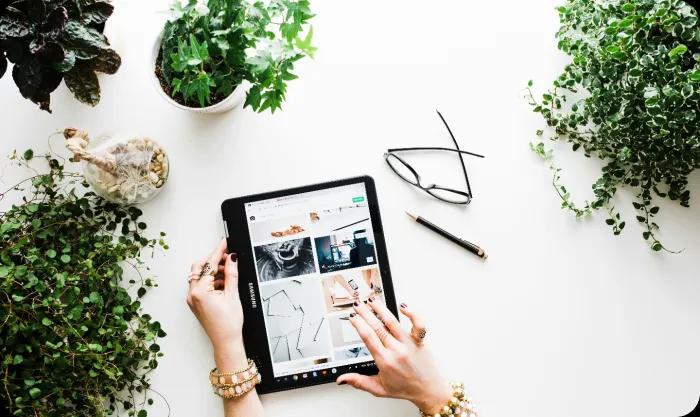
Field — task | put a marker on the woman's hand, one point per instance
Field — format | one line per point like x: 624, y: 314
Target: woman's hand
x: 406, y: 368
x: 215, y: 302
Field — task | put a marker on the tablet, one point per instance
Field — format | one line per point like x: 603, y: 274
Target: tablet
x: 305, y: 255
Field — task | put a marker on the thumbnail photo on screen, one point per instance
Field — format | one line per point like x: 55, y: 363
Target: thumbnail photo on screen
x: 345, y: 250
x: 296, y: 324
x: 286, y: 259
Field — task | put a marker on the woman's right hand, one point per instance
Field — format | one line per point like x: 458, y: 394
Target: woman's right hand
x: 406, y: 368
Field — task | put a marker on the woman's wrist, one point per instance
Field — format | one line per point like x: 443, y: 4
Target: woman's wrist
x: 230, y: 356
x: 434, y: 398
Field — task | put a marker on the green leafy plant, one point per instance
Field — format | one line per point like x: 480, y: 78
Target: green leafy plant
x: 211, y: 47
x: 49, y: 41
x: 631, y: 97
x: 73, y: 340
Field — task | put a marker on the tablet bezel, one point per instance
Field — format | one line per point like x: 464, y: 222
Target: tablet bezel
x: 239, y: 242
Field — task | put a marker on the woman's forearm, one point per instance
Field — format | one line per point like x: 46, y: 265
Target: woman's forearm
x: 233, y: 358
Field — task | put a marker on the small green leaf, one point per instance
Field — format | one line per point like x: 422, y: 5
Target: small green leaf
x: 95, y: 347
x: 46, y: 322
x: 35, y: 392
x: 28, y: 155
x: 259, y: 63
x: 18, y: 359
x: 305, y: 44
x: 678, y: 50
x: 613, y: 49
x: 95, y: 297
x: 65, y: 258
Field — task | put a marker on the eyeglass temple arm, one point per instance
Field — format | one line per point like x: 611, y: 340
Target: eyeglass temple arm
x: 461, y: 160
x: 435, y: 149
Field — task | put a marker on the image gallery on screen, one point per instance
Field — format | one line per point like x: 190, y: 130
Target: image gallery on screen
x: 315, y: 256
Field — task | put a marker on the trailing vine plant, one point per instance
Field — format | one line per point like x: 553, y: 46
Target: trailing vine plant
x: 73, y: 338
x: 631, y: 97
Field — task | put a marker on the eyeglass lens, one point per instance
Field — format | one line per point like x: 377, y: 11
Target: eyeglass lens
x: 448, y: 196
x: 401, y: 169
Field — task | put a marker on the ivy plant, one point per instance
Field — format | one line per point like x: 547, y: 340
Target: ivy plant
x: 631, y: 97
x: 211, y: 47
x: 50, y: 41
x: 73, y: 338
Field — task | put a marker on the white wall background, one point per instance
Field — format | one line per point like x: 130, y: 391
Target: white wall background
x: 563, y: 319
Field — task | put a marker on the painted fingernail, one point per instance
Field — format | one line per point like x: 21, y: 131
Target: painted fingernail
x: 342, y: 383
x: 234, y: 257
x: 355, y: 304
x: 371, y: 299
x: 365, y: 301
x: 403, y: 305
x: 352, y: 314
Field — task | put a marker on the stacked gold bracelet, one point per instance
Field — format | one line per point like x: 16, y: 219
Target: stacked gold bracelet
x: 458, y: 406
x: 229, y: 385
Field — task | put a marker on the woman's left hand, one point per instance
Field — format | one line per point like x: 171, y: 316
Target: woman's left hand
x: 215, y: 302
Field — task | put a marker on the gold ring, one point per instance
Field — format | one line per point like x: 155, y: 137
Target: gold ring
x: 419, y: 334
x: 207, y: 269
x: 382, y: 333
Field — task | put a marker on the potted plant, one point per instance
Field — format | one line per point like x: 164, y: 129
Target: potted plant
x: 50, y: 41
x: 630, y: 97
x: 213, y: 54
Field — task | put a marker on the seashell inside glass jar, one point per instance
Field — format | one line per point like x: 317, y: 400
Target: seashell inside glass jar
x: 126, y: 170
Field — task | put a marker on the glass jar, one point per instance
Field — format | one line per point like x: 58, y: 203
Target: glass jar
x: 126, y: 170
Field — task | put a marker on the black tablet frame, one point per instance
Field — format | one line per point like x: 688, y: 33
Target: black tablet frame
x: 255, y: 340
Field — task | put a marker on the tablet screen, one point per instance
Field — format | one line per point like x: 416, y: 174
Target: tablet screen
x: 314, y: 256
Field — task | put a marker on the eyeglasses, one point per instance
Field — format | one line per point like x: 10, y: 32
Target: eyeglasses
x: 406, y: 172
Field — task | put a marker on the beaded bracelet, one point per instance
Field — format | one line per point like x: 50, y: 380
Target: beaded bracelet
x: 458, y: 406
x: 229, y: 385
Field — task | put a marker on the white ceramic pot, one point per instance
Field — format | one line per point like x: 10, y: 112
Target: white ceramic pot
x: 236, y: 98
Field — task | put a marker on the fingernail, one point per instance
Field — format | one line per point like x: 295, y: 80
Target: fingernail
x: 371, y: 299
x: 342, y: 383
x: 352, y: 314
x: 355, y: 304
x: 234, y: 257
x: 403, y: 305
x: 365, y: 301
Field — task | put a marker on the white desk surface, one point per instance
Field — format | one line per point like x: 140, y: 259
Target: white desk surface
x: 564, y: 319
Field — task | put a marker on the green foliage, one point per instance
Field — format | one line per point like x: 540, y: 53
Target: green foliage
x: 631, y: 97
x: 206, y: 49
x: 73, y: 340
x: 52, y: 40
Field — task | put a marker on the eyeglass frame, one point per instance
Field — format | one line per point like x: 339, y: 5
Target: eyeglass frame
x: 428, y: 188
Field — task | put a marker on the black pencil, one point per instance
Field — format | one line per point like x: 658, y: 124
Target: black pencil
x: 476, y: 250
